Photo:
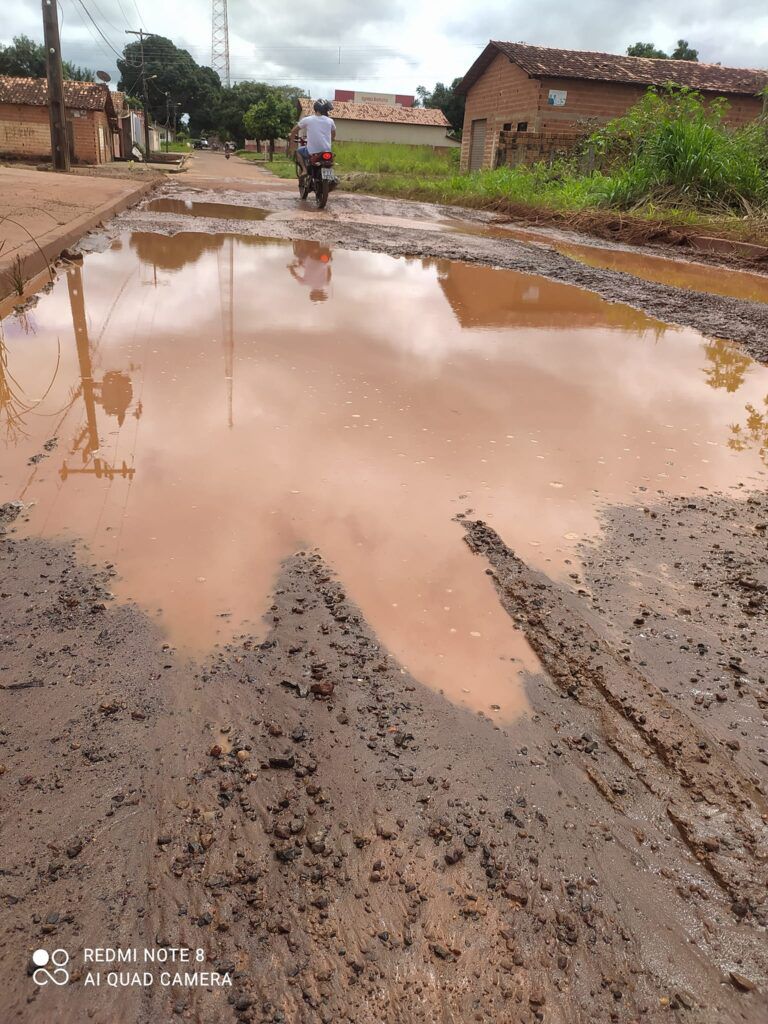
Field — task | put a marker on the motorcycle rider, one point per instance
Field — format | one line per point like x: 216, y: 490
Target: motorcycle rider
x: 320, y: 132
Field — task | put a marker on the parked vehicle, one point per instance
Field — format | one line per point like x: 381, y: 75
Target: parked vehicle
x: 321, y: 178
x: 200, y: 144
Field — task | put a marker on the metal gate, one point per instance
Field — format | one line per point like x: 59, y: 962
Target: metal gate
x: 477, y: 144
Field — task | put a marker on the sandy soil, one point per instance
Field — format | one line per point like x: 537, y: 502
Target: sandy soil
x: 344, y: 844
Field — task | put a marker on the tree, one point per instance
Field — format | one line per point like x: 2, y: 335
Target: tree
x: 235, y: 102
x: 684, y: 52
x: 681, y: 52
x: 24, y: 58
x: 271, y: 118
x: 445, y: 98
x: 646, y: 50
x: 172, y: 71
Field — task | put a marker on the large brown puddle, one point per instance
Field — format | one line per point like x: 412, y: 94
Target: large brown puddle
x: 221, y: 402
x: 213, y: 211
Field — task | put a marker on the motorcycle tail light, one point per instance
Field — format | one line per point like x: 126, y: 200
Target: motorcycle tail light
x: 327, y: 156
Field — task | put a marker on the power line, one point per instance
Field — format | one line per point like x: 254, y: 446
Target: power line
x: 95, y: 25
x: 141, y: 20
x: 88, y: 28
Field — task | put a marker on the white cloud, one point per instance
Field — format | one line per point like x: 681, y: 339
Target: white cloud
x: 393, y: 45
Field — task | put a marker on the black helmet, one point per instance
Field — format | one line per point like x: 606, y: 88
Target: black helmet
x: 323, y: 107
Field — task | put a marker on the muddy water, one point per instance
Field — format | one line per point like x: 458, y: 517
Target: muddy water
x: 221, y: 402
x: 679, y: 273
x: 194, y: 208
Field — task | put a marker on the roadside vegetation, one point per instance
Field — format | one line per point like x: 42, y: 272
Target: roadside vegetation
x: 671, y: 157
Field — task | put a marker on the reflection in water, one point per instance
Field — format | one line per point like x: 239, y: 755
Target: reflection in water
x: 311, y: 267
x: 226, y: 263
x: 727, y: 365
x: 168, y: 253
x: 15, y: 404
x: 754, y: 433
x: 422, y: 390
x: 480, y: 297
x: 114, y: 393
x: 218, y: 211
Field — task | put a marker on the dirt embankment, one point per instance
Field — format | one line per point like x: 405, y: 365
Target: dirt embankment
x: 715, y: 315
x: 351, y: 846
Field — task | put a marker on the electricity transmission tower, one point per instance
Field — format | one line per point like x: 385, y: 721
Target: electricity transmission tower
x: 220, y: 40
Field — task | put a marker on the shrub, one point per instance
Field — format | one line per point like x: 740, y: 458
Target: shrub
x: 672, y: 148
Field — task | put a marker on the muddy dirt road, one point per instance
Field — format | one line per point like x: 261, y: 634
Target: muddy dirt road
x: 384, y: 618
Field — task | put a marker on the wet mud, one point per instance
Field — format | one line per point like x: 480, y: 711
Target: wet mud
x: 389, y: 627
x: 347, y: 844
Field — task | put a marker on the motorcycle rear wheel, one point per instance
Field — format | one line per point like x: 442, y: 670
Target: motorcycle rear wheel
x: 322, y: 191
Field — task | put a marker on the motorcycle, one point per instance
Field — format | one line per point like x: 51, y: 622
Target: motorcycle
x: 321, y: 178
x: 227, y: 154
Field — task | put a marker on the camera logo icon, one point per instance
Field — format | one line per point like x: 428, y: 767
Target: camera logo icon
x: 50, y: 967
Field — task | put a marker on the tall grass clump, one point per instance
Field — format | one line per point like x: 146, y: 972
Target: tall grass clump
x: 673, y: 149
x: 394, y: 158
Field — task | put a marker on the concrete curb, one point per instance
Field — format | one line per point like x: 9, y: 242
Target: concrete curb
x: 35, y: 256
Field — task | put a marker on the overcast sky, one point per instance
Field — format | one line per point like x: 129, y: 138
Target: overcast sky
x: 392, y: 45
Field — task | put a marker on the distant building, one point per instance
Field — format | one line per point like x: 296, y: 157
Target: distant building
x: 130, y: 132
x: 360, y: 121
x: 390, y: 98
x: 92, y: 124
x: 525, y: 103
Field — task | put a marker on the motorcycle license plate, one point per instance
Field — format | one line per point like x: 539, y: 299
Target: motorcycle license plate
x: 327, y: 173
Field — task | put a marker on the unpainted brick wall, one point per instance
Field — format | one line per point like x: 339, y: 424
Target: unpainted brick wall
x: 532, y: 147
x: 25, y: 132
x: 505, y: 94
x: 602, y: 101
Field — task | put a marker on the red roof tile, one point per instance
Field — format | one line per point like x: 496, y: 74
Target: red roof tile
x: 547, y: 62
x: 34, y: 92
x: 381, y: 112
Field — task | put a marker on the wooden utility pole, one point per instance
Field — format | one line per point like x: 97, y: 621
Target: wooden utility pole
x: 56, y: 110
x: 145, y: 99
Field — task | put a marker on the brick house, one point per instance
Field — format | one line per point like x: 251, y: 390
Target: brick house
x: 25, y: 130
x: 537, y: 99
x: 387, y: 122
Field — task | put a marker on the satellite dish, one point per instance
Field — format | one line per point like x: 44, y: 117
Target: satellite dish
x: 104, y: 76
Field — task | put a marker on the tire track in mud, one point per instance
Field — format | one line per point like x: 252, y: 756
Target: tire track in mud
x: 344, y: 841
x: 720, y: 812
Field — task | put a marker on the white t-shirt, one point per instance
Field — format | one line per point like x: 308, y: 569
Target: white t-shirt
x: 318, y: 128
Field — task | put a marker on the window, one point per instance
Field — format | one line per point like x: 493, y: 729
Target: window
x: 522, y: 126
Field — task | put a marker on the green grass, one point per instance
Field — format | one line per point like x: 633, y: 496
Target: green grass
x: 671, y: 157
x: 393, y: 158
x: 176, y: 147
x: 375, y: 158
x: 539, y: 185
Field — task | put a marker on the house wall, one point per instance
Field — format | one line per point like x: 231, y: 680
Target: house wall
x: 25, y: 132
x: 602, y: 101
x: 385, y: 131
x: 503, y: 94
x: 85, y: 126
